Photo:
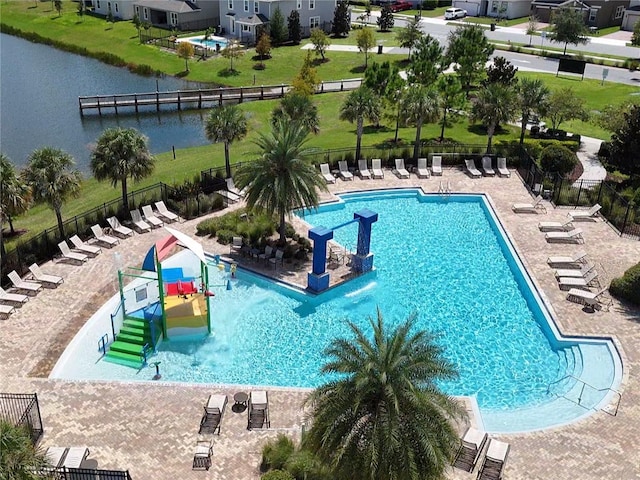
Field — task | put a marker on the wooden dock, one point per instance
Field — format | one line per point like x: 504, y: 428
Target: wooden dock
x: 195, y: 99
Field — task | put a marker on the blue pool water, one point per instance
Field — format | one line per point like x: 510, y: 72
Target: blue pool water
x: 211, y: 42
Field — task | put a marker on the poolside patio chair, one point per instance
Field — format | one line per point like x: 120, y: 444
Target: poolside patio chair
x: 277, y: 258
x: 326, y: 173
x: 138, y: 222
x: 376, y: 168
x: 590, y: 280
x: 23, y: 286
x: 436, y: 165
x: 268, y: 253
x: 118, y: 228
x: 471, y: 169
x: 102, y: 238
x: 6, y: 310
x: 597, y: 301
x: 503, y: 171
x: 213, y: 412
x: 67, y: 254
x: 55, y: 455
x: 150, y: 217
x: 471, y: 446
x: 236, y: 244
x: 363, y: 169
x: 589, y: 215
x: 345, y: 174
x: 575, y: 273
x: 494, y: 460
x: 577, y: 260
x: 536, y: 207
x: 401, y: 171
x: 421, y: 170
x: 258, y: 416
x: 75, y: 457
x: 487, y: 168
x: 85, y: 247
x: 555, y: 226
x: 49, y: 281
x: 572, y: 236
x: 165, y: 213
x: 17, y: 299
x: 202, y: 455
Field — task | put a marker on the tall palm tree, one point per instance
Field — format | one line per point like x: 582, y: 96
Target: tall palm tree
x: 420, y: 104
x: 384, y: 416
x: 15, y: 194
x: 53, y: 179
x: 227, y: 124
x: 495, y: 104
x: 299, y: 108
x: 361, y: 104
x: 533, y: 99
x: 19, y: 458
x: 283, y: 177
x: 120, y: 154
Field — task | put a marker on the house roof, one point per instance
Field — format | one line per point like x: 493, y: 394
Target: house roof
x: 560, y: 3
x: 257, y: 19
x: 178, y: 6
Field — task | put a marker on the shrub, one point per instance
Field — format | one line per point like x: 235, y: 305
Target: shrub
x: 275, y: 455
x: 225, y: 237
x: 558, y: 159
x: 289, y: 231
x: 206, y: 227
x: 430, y: 4
x: 604, y: 150
x: 303, y: 465
x: 627, y: 287
x: 277, y: 475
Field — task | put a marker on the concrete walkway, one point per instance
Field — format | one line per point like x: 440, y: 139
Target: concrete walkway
x: 588, y: 156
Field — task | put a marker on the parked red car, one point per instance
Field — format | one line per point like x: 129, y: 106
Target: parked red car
x: 400, y: 6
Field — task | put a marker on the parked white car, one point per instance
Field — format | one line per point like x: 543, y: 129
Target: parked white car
x: 453, y: 13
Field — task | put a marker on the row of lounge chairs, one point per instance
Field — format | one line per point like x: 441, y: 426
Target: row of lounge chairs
x: 487, y: 168
x: 269, y: 256
x: 23, y: 289
x: 471, y: 448
x: 152, y: 219
x: 71, y: 457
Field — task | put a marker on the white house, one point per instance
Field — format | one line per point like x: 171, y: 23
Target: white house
x: 495, y: 8
x: 120, y: 9
x: 631, y: 15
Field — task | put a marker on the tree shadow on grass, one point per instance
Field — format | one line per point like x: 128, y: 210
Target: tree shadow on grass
x: 182, y: 74
x: 316, y: 62
x: 227, y: 72
x: 358, y: 69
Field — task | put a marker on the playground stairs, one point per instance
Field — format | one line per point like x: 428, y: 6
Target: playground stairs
x: 128, y: 347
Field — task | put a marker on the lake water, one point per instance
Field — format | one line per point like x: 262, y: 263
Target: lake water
x: 39, y: 104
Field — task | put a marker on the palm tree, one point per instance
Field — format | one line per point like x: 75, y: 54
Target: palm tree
x: 226, y: 124
x: 283, y: 177
x: 533, y: 99
x: 384, y: 416
x: 120, y: 154
x: 299, y: 108
x: 19, y: 458
x: 360, y: 104
x: 494, y: 105
x: 53, y: 178
x: 420, y: 104
x: 15, y: 194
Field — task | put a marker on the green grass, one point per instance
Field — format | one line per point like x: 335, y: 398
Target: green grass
x: 605, y: 31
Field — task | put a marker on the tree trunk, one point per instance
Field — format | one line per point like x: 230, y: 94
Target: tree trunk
x: 283, y: 239
x: 523, y: 128
x: 186, y: 64
x: 125, y: 197
x: 444, y: 122
x: 490, y: 131
x: 11, y: 229
x: 416, y: 147
x: 359, y: 130
x: 565, y: 48
x: 227, y: 164
x: 60, y: 226
x: 395, y: 139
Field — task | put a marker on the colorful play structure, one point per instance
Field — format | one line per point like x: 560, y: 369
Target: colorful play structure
x: 160, y: 303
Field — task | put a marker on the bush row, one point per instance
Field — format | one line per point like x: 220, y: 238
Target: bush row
x: 627, y: 287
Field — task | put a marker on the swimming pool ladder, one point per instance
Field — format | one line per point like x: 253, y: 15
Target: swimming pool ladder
x: 444, y: 191
x: 585, y: 384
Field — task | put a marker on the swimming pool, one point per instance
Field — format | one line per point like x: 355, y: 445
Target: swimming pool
x: 447, y: 261
x: 213, y: 42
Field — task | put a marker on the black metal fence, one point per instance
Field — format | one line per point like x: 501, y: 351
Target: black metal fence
x: 63, y: 473
x: 22, y: 409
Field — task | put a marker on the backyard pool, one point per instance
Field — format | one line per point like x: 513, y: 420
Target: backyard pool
x: 211, y: 42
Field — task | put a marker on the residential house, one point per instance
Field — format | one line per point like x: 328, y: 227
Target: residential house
x: 631, y: 16
x: 120, y: 9
x: 597, y: 13
x: 495, y: 8
x: 245, y: 19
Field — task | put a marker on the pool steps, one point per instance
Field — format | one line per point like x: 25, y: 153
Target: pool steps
x: 129, y: 344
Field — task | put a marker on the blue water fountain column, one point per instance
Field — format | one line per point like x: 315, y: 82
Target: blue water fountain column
x: 318, y: 278
x: 362, y: 261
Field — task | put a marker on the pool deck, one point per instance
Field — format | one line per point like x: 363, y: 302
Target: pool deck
x: 153, y: 427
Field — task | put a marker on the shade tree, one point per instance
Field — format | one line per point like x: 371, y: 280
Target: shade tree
x: 565, y: 105
x: 469, y: 50
x: 409, y: 35
x: 385, y: 20
x: 360, y: 105
x: 341, y: 19
x: 419, y: 106
x: 625, y: 144
x: 294, y: 27
x: 277, y: 27
x: 226, y: 123
x: 428, y: 61
x: 568, y: 27
x: 495, y: 104
x: 365, y: 41
x: 533, y: 99
x: 320, y: 41
x: 452, y: 100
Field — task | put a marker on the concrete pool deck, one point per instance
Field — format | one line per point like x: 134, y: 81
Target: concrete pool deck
x: 153, y: 427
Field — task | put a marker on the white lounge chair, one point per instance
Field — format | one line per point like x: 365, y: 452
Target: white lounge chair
x: 138, y: 222
x: 471, y: 446
x: 536, y: 207
x: 590, y: 280
x: 555, y: 226
x: 258, y: 410
x: 22, y: 286
x: 67, y: 254
x: 376, y: 168
x: 118, y: 228
x: 85, y: 247
x: 573, y: 272
x: 12, y: 298
x: 400, y: 171
x: 165, y: 213
x: 503, y: 171
x: 326, y: 173
x: 436, y: 165
x: 494, y: 460
x: 363, y: 170
x: 471, y: 169
x: 572, y: 236
x: 75, y: 456
x: 6, y: 310
x: 213, y: 412
x: 577, y: 260
x: 102, y: 238
x: 585, y: 214
x: 487, y: 168
x: 202, y: 455
x: 55, y: 455
x: 421, y: 170
x: 597, y: 301
x: 150, y: 217
x: 50, y: 281
x: 345, y: 174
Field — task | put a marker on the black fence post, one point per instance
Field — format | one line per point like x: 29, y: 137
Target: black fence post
x: 626, y: 218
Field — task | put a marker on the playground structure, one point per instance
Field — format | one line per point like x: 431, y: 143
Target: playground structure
x: 362, y: 260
